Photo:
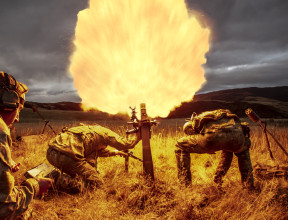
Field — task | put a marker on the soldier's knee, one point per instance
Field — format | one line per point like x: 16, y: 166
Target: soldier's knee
x: 244, y: 154
x: 51, y: 156
x: 244, y: 161
x: 181, y: 148
x: 178, y: 152
x: 182, y: 154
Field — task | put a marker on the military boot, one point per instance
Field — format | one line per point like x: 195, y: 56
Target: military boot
x: 68, y: 184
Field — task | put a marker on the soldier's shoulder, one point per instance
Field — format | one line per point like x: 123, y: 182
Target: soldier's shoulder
x: 99, y: 129
x: 102, y: 131
x: 4, y: 128
x: 83, y: 129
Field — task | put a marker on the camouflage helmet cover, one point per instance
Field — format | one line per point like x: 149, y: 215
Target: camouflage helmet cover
x: 12, y: 92
x: 188, y: 127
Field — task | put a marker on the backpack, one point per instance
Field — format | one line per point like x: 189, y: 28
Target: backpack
x: 216, y: 130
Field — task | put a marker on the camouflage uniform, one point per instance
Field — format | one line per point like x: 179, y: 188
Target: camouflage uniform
x: 14, y: 200
x: 210, y: 132
x: 75, y: 150
x: 245, y: 167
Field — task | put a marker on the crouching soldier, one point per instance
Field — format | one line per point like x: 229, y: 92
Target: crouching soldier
x: 14, y: 200
x: 214, y: 131
x: 75, y: 150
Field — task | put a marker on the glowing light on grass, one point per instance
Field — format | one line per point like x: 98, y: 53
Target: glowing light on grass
x: 132, y: 51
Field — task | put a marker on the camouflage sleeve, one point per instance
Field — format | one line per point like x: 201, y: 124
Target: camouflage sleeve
x: 187, y: 144
x: 120, y: 143
x: 106, y: 153
x: 14, y: 200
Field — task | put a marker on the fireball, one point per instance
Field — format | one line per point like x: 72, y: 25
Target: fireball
x: 129, y: 52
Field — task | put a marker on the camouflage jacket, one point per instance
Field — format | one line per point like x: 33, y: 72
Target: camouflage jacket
x: 14, y: 200
x: 214, y: 131
x: 82, y: 141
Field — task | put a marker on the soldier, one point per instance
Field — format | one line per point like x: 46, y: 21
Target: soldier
x: 75, y: 151
x: 210, y: 132
x: 14, y: 200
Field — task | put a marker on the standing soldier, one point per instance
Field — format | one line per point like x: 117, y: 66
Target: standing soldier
x: 75, y: 151
x: 210, y: 132
x: 14, y: 200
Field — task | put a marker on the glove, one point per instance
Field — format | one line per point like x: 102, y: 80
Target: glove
x: 121, y: 154
x: 44, y: 185
x: 15, y: 167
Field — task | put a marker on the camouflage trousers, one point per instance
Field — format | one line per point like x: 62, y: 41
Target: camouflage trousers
x: 184, y: 162
x: 245, y: 167
x: 79, y: 169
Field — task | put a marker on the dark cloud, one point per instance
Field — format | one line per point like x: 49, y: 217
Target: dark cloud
x: 36, y: 40
x: 249, y: 44
x: 267, y: 73
x: 53, y: 94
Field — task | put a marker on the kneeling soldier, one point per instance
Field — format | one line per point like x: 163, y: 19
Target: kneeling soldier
x: 75, y: 150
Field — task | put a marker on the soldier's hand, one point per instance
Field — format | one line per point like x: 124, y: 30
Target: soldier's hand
x: 120, y: 153
x: 15, y: 167
x: 44, y: 185
x: 132, y: 131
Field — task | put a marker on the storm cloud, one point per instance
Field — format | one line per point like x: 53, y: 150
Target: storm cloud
x: 249, y: 44
x: 35, y: 44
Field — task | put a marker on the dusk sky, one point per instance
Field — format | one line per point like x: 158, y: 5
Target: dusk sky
x: 249, y: 47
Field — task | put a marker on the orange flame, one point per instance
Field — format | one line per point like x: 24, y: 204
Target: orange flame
x: 133, y: 51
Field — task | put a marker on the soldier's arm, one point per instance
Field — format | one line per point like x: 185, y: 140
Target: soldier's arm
x: 14, y: 199
x: 107, y: 153
x: 120, y: 143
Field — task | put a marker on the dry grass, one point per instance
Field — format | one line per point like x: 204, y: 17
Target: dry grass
x: 126, y: 196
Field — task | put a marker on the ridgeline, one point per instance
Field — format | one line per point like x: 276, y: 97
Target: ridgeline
x: 270, y: 102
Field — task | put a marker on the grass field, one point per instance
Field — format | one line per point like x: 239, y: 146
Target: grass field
x: 126, y: 196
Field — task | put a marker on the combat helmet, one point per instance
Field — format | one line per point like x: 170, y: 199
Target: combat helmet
x: 188, y: 127
x: 12, y: 92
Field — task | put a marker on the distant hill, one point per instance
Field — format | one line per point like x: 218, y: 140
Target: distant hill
x: 67, y: 106
x: 277, y: 93
x: 269, y: 102
x: 65, y: 111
